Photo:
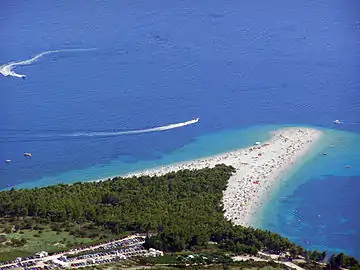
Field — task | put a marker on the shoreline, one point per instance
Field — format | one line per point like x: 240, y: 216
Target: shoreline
x: 259, y: 169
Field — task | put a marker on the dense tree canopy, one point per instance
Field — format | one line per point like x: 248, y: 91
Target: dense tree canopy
x: 181, y: 210
x: 186, y: 200
x: 341, y: 260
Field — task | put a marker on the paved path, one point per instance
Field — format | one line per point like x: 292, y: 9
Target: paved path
x: 246, y: 258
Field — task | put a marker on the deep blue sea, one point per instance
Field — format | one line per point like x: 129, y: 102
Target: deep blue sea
x: 243, y: 67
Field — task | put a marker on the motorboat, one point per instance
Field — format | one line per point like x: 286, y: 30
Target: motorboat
x: 337, y: 122
x: 27, y: 154
x: 7, y: 161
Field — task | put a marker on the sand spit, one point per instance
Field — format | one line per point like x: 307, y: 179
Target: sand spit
x: 259, y: 168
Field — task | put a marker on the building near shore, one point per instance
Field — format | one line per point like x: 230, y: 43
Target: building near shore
x: 154, y: 253
x: 41, y: 254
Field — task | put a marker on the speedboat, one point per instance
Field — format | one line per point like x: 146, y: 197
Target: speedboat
x: 337, y: 122
x: 7, y: 161
x: 26, y: 154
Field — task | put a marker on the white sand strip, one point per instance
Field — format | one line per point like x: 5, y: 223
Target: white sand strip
x: 258, y: 168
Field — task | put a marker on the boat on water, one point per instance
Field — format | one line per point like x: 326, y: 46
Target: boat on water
x: 195, y: 120
x: 27, y: 154
x: 7, y: 161
x: 337, y: 122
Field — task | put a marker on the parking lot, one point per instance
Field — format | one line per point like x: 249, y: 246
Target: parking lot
x: 110, y: 251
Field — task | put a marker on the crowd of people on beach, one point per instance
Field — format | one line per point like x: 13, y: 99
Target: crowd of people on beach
x: 258, y: 169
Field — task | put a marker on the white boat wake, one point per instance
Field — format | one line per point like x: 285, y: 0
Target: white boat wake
x: 117, y: 133
x: 55, y: 135
x: 7, y: 69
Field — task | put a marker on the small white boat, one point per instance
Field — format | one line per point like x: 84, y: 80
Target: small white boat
x: 337, y: 122
x: 7, y: 161
x: 257, y: 143
x: 27, y: 154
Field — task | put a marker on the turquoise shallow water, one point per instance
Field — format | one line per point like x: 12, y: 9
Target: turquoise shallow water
x: 201, y: 146
x: 317, y: 204
x: 234, y: 64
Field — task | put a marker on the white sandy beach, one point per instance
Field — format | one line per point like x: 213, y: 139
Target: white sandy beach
x: 258, y: 170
